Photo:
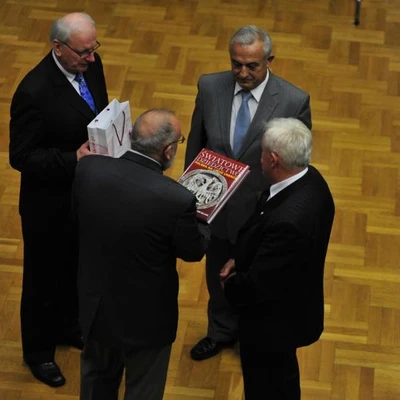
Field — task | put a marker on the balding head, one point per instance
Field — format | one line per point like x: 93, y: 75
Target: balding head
x: 70, y: 24
x: 155, y: 133
x: 74, y: 41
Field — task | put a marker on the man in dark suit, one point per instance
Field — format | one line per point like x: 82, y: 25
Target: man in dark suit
x: 133, y: 224
x: 275, y: 279
x: 218, y: 104
x: 48, y: 134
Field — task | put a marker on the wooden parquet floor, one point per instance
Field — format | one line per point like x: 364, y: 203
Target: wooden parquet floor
x: 153, y: 52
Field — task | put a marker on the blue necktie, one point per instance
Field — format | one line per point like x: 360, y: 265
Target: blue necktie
x: 84, y: 91
x: 243, y: 121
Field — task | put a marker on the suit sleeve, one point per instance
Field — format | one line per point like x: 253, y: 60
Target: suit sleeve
x: 304, y: 112
x: 27, y: 153
x: 191, y: 237
x: 197, y: 138
x: 273, y: 272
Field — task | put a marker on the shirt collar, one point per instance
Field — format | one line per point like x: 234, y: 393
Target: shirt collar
x: 67, y: 74
x: 144, y: 155
x: 277, y: 187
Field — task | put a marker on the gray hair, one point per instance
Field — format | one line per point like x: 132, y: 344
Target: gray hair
x: 290, y: 139
x: 153, y: 142
x: 62, y: 28
x: 248, y: 34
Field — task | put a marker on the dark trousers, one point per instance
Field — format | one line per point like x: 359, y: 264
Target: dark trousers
x: 269, y: 375
x: 49, y: 302
x: 102, y: 368
x: 222, y: 318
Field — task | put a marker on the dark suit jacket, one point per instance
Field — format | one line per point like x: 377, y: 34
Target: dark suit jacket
x: 48, y: 124
x: 280, y: 256
x: 211, y: 129
x: 133, y: 224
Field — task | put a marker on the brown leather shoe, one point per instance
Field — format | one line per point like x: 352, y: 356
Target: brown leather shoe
x: 207, y: 348
x: 48, y: 373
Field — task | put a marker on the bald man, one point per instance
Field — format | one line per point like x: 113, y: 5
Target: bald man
x: 133, y: 224
x: 48, y: 135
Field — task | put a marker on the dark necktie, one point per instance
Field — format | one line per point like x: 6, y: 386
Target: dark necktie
x: 243, y: 121
x: 84, y: 91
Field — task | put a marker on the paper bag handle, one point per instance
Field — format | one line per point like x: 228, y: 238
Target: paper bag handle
x: 123, y: 130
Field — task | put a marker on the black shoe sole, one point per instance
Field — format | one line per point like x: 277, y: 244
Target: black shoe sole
x: 205, y: 356
x: 49, y: 383
x: 213, y: 353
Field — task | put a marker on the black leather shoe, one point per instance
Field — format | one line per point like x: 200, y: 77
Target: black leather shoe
x: 48, y: 373
x: 75, y: 340
x: 207, y: 348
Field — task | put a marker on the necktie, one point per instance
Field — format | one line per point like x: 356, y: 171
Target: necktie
x: 84, y: 91
x: 243, y: 120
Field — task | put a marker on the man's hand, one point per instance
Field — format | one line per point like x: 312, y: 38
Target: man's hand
x: 227, y: 271
x: 84, y: 150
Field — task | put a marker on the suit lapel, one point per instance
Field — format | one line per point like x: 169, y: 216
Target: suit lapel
x: 66, y: 91
x: 92, y: 81
x: 225, y: 99
x: 264, y: 207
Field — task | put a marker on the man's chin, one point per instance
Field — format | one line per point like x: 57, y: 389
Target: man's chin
x: 246, y: 85
x: 82, y: 68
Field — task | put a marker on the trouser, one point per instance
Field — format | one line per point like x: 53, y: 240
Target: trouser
x: 222, y: 318
x: 49, y: 302
x: 102, y: 367
x: 269, y: 375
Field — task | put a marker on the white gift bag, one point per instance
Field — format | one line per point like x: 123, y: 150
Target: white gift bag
x: 109, y: 132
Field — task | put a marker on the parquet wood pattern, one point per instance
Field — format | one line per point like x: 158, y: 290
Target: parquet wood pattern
x: 153, y: 52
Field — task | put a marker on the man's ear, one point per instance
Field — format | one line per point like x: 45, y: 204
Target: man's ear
x: 56, y: 47
x: 274, y: 160
x: 168, y: 152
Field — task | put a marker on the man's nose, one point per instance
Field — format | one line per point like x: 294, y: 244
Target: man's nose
x: 90, y: 57
x: 243, y: 71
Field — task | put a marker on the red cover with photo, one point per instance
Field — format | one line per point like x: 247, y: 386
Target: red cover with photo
x: 212, y: 178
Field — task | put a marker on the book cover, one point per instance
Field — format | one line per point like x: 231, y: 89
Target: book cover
x: 212, y: 178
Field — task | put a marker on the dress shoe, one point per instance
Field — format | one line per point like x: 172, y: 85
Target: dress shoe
x: 74, y: 340
x: 48, y: 373
x: 207, y: 348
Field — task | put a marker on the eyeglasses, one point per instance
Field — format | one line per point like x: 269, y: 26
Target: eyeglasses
x: 179, y: 141
x: 84, y: 53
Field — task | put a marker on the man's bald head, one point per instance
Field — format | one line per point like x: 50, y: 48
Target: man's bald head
x: 155, y: 133
x: 70, y: 24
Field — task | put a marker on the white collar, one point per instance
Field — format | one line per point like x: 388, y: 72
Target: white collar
x: 144, y: 155
x: 277, y: 187
x: 67, y: 74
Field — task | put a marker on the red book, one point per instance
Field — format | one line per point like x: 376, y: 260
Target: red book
x: 212, y: 178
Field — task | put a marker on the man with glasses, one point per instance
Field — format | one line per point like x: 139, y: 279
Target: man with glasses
x: 50, y: 111
x: 229, y: 115
x: 134, y: 223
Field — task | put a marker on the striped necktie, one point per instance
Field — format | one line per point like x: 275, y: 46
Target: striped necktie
x: 84, y: 91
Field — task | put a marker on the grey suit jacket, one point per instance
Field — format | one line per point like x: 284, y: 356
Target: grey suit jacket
x: 210, y: 128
